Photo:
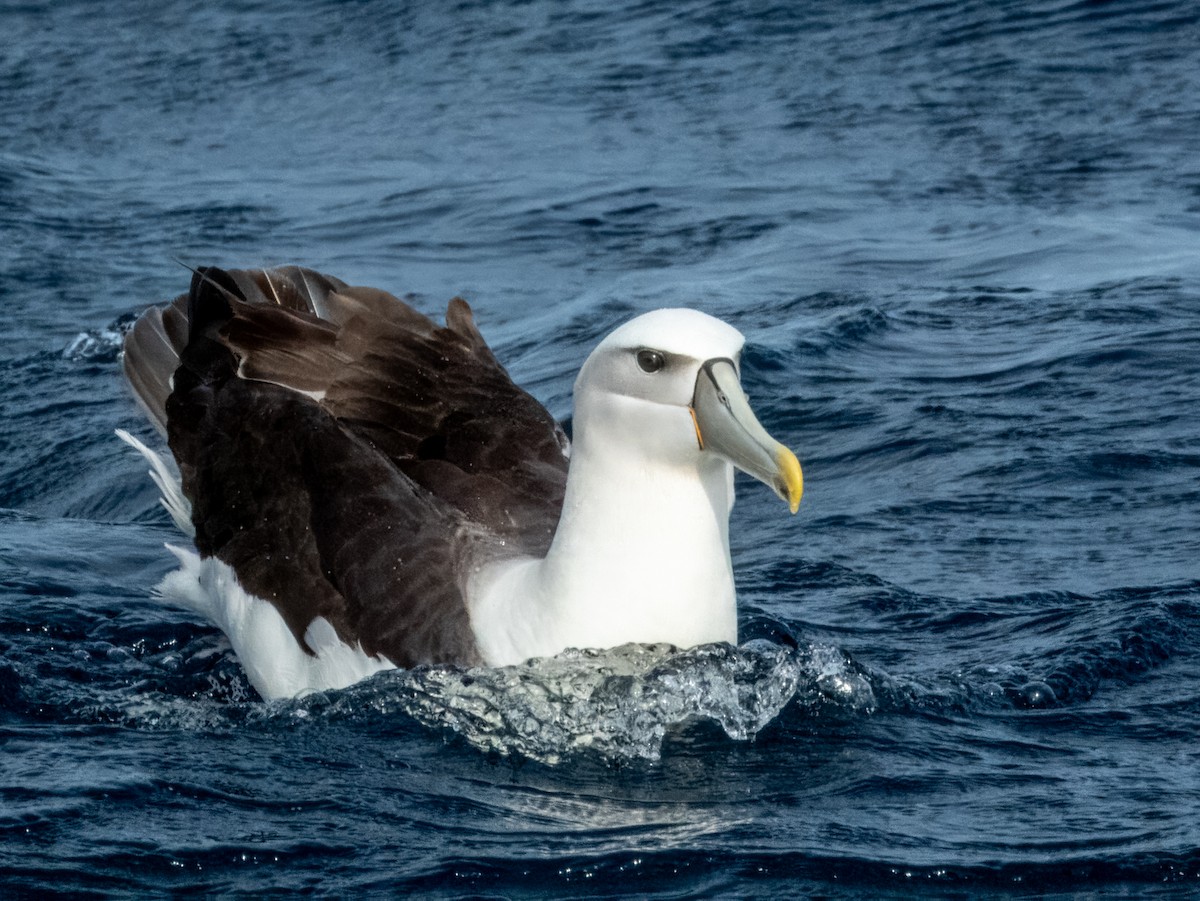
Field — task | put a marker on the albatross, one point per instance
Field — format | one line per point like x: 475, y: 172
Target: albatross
x: 367, y: 489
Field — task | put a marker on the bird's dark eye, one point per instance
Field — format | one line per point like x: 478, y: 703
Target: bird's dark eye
x: 650, y: 360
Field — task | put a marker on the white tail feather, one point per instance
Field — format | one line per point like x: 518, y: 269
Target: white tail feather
x: 274, y: 662
x: 168, y: 485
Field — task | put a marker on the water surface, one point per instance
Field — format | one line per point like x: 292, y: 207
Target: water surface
x: 962, y: 242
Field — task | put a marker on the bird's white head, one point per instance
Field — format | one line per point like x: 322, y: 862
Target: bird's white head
x: 666, y: 387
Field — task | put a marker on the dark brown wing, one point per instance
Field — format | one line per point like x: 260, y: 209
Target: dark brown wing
x: 344, y: 453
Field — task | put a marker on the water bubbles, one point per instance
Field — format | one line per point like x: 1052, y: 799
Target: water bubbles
x: 100, y: 345
x: 619, y: 704
x: 1034, y: 696
x: 839, y: 682
x: 614, y: 706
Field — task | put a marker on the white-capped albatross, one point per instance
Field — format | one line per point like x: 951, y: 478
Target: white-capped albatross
x: 367, y: 489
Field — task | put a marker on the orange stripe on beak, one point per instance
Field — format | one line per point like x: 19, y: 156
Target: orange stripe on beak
x: 696, y: 426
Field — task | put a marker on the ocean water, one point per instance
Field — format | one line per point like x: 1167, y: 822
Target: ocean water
x: 963, y: 240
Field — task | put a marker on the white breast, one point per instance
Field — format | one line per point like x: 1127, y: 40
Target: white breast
x: 641, y: 555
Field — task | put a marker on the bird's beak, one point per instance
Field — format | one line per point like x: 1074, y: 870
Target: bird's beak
x: 726, y: 425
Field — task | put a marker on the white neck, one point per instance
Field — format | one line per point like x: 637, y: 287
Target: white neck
x: 641, y: 555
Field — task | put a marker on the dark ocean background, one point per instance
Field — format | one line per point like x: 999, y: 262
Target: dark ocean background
x: 963, y: 240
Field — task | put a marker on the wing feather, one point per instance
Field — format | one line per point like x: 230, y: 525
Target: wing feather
x: 344, y: 453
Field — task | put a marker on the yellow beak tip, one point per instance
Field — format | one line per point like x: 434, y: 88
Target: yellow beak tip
x: 793, y: 477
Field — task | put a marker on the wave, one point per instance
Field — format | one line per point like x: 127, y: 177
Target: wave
x: 615, y: 705
x: 619, y: 705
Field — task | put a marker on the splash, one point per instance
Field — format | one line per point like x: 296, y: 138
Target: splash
x: 619, y: 704
x: 100, y: 345
x: 615, y: 706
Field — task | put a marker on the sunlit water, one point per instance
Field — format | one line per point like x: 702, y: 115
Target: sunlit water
x: 962, y: 240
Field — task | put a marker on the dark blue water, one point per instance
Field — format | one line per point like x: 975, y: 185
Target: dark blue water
x: 963, y: 240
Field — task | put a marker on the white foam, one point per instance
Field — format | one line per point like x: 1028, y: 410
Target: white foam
x: 621, y: 703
